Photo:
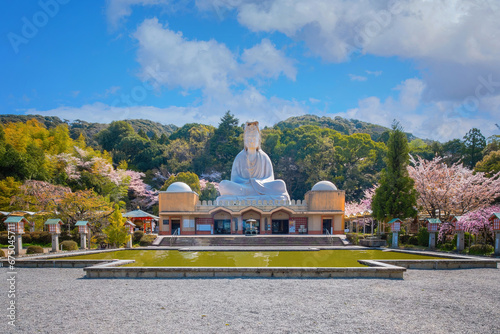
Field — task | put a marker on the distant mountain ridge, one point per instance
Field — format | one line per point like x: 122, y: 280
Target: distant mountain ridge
x: 342, y: 125
x: 89, y: 129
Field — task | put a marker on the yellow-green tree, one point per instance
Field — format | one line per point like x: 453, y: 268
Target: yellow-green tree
x: 8, y: 188
x: 116, y: 232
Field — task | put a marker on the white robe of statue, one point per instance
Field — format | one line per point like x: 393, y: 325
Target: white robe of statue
x: 252, y: 176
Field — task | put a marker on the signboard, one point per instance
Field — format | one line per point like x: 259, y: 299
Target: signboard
x: 291, y: 226
x: 204, y: 227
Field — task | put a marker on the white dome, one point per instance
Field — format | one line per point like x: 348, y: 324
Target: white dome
x: 324, y: 186
x: 178, y: 187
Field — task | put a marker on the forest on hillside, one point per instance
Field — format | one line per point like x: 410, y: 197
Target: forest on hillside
x: 126, y: 162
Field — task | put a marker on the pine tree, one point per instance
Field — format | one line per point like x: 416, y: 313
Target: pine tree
x: 116, y: 231
x: 396, y: 197
x: 474, y: 144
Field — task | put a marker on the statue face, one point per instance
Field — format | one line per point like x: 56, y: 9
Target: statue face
x: 252, y: 137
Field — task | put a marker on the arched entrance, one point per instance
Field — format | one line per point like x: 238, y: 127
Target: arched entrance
x: 280, y: 222
x: 222, y: 222
x: 254, y: 228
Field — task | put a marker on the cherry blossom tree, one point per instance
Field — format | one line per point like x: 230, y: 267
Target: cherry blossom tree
x: 476, y: 222
x: 451, y: 190
x: 39, y: 196
x: 143, y: 194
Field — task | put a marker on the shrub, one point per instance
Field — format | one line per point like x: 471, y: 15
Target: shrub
x: 27, y: 238
x: 448, y: 246
x: 413, y: 240
x: 423, y: 237
x: 137, y: 236
x: 2, y: 254
x: 404, y: 238
x: 34, y: 250
x: 69, y: 245
x: 147, y: 240
x: 42, y: 238
x: 480, y: 249
x: 4, y: 240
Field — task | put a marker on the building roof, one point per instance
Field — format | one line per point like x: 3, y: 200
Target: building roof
x: 14, y: 219
x: 457, y: 218
x: 53, y: 221
x: 179, y: 187
x: 81, y: 223
x: 139, y: 214
x: 128, y: 222
x: 434, y: 220
x: 495, y: 215
x: 395, y: 220
x: 324, y: 186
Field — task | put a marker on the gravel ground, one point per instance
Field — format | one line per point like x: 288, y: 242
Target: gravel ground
x: 426, y: 301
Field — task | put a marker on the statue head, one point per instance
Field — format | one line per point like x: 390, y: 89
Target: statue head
x: 251, y: 136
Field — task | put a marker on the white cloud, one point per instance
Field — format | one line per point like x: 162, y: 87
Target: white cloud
x: 246, y: 105
x: 439, y: 121
x: 354, y: 77
x: 266, y: 61
x: 374, y: 73
x: 118, y: 10
x: 452, y: 41
x: 174, y: 61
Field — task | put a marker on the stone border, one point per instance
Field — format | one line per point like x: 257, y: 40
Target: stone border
x: 111, y: 270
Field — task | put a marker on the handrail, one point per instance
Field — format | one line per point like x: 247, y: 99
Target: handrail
x: 329, y: 235
x: 174, y: 236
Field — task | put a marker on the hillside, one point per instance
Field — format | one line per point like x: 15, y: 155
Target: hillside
x: 89, y: 130
x: 342, y: 125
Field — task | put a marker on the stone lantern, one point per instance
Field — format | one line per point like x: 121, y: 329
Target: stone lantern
x: 131, y: 227
x: 495, y: 219
x: 54, y: 226
x: 432, y: 227
x: 83, y: 229
x: 15, y: 224
x: 395, y: 225
x: 459, y: 230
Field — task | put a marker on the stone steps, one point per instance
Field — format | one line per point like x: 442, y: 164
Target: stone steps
x: 181, y: 241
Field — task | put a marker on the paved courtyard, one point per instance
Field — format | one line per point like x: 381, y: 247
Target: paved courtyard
x: 63, y: 301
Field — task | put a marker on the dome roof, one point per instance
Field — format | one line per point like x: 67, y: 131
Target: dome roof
x: 178, y: 187
x: 324, y: 186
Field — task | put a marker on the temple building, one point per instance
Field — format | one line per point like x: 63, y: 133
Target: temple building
x: 252, y: 202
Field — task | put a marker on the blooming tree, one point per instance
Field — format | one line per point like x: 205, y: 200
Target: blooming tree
x: 143, y: 194
x: 39, y: 196
x: 452, y: 189
x: 476, y: 222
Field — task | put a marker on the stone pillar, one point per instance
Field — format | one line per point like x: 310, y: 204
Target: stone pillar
x: 460, y: 241
x: 83, y: 241
x: 432, y: 240
x: 55, y: 242
x: 18, y: 246
x: 129, y: 242
x: 497, y: 243
x: 395, y: 240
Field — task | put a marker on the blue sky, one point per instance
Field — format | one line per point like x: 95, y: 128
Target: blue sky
x: 434, y: 66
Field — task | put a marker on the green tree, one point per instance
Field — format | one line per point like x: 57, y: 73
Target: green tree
x: 189, y: 178
x: 396, y: 197
x: 116, y: 231
x: 8, y: 188
x: 490, y: 164
x: 474, y: 144
x: 111, y: 136
x: 209, y: 193
x: 225, y: 144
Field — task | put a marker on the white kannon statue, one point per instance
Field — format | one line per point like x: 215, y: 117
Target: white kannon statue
x: 252, y: 176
